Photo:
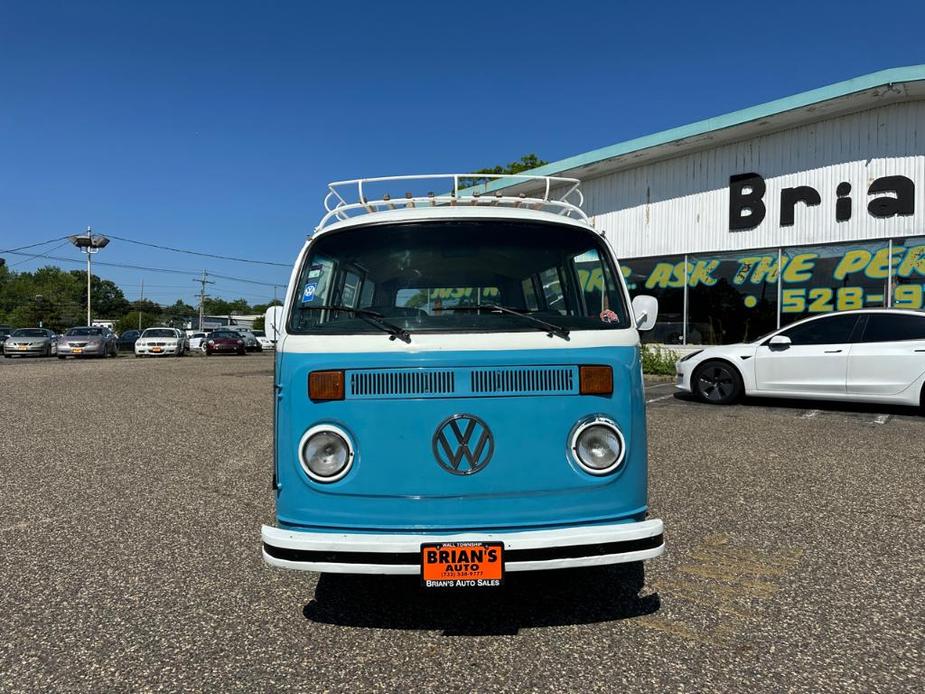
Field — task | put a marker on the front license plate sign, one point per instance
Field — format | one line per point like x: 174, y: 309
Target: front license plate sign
x: 77, y: 350
x: 462, y: 565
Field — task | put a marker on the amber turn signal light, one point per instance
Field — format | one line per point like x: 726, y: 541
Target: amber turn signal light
x: 595, y: 380
x: 326, y: 385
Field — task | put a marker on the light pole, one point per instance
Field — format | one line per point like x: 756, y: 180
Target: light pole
x: 89, y: 244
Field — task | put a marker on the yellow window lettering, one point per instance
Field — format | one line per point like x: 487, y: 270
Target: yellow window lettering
x: 908, y: 296
x: 853, y: 261
x: 820, y: 300
x: 745, y: 269
x: 793, y: 300
x: 700, y: 272
x: 766, y: 270
x: 879, y: 267
x: 799, y: 268
x: 849, y: 298
x: 913, y: 262
x: 666, y: 275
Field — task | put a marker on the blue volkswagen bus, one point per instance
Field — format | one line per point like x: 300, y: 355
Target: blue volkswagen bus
x: 458, y: 388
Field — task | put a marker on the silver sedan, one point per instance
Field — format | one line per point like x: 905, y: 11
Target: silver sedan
x: 36, y: 341
x: 87, y: 341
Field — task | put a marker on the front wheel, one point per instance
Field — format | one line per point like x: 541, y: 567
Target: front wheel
x: 717, y: 383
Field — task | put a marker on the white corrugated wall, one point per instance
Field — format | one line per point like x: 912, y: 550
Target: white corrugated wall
x: 681, y: 205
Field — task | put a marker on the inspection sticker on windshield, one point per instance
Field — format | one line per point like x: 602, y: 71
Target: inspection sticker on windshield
x: 314, y: 272
x: 462, y: 565
x: 308, y: 294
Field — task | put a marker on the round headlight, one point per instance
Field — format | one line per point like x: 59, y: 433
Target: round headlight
x: 598, y: 446
x: 326, y: 454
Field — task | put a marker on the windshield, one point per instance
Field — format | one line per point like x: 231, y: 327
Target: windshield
x: 225, y: 335
x: 29, y: 332
x: 159, y: 332
x: 422, y: 277
x: 85, y: 331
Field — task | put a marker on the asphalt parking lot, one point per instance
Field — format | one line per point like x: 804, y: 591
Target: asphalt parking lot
x: 133, y: 493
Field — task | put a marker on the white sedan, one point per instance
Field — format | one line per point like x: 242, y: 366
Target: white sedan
x: 160, y: 342
x: 865, y: 356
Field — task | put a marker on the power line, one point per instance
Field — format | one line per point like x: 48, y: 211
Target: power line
x: 199, y: 253
x: 150, y: 269
x: 33, y: 245
x: 37, y: 255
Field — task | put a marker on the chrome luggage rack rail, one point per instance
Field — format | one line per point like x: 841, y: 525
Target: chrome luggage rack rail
x: 346, y: 199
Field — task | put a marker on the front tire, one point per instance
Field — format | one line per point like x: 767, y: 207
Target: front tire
x: 717, y: 383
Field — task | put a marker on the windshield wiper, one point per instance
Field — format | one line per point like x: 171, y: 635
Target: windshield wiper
x: 374, y: 318
x: 551, y: 328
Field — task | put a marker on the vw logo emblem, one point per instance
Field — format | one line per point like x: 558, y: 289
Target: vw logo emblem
x: 463, y: 444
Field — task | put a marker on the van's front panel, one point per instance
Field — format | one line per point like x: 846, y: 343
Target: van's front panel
x: 400, y: 480
x: 450, y: 382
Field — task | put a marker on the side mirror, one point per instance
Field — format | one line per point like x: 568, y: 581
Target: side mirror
x: 779, y: 342
x: 645, y: 309
x: 273, y: 322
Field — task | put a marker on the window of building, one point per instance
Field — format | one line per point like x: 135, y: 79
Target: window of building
x: 662, y: 278
x: 909, y: 273
x: 731, y: 297
x: 824, y: 279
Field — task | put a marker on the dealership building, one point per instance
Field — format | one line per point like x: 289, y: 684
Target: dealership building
x: 748, y: 221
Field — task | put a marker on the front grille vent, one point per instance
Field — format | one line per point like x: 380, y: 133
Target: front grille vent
x: 523, y: 380
x: 400, y: 382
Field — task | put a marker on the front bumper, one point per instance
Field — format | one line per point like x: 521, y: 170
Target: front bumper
x: 532, y: 550
x: 89, y: 350
x: 170, y: 349
x: 683, y: 377
x: 29, y: 348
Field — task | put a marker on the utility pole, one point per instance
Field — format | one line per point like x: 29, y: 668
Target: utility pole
x: 140, y: 300
x: 202, y: 294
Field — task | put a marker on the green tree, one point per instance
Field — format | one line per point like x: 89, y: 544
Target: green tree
x: 221, y: 307
x: 130, y: 321
x: 525, y: 163
x: 179, y: 314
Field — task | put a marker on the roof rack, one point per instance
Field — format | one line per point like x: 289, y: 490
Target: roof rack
x: 346, y: 199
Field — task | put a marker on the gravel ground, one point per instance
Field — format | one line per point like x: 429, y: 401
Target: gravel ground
x: 133, y: 492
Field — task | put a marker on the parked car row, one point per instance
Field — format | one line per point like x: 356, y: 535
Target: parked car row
x: 97, y: 341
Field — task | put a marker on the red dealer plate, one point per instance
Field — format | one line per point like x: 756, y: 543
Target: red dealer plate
x: 462, y: 565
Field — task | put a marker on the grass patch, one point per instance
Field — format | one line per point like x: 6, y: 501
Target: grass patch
x: 658, y: 360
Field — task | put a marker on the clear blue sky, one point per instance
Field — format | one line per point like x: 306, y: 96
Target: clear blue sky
x: 214, y: 126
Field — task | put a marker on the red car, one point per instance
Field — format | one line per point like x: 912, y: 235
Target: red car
x: 225, y: 342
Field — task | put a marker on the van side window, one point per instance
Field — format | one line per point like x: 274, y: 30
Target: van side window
x: 552, y: 290
x: 591, y: 279
x: 531, y: 303
x: 351, y: 289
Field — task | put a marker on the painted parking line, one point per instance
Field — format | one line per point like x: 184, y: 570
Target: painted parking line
x: 659, y: 399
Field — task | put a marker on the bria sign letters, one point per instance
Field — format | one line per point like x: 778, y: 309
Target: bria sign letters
x: 893, y: 196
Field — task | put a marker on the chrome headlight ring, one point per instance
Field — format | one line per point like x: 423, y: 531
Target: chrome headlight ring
x: 338, y: 433
x: 586, y: 428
